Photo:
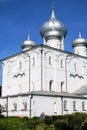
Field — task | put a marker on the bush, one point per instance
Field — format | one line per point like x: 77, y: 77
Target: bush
x: 12, y: 123
x: 84, y: 125
x: 60, y: 124
x: 78, y: 118
x: 48, y: 120
x: 33, y: 122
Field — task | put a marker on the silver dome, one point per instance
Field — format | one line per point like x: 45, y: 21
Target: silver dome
x: 79, y: 41
x: 27, y: 44
x: 53, y: 28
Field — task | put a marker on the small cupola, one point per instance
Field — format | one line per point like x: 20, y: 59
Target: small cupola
x: 80, y: 45
x: 27, y: 44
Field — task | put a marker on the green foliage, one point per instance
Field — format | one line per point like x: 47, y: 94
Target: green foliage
x: 84, y: 125
x: 60, y: 124
x: 48, y: 120
x: 76, y: 121
x: 12, y: 123
x: 33, y: 122
x: 78, y: 118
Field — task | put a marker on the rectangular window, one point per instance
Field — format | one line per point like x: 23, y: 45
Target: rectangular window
x: 74, y: 106
x: 65, y: 105
x: 55, y: 107
x: 83, y: 106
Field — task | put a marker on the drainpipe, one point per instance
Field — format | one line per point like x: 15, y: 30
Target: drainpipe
x: 61, y: 105
x: 41, y: 69
x: 7, y: 106
x: 31, y: 96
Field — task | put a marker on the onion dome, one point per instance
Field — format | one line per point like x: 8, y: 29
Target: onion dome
x: 79, y: 41
x: 53, y: 28
x: 27, y: 44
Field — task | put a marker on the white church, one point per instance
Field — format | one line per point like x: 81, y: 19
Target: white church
x: 46, y: 78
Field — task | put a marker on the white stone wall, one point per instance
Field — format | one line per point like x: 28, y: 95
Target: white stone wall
x: 51, y: 70
x: 50, y: 105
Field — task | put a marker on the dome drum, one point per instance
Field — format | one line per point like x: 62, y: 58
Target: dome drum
x: 53, y: 35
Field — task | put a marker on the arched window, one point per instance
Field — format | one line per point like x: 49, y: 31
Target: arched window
x: 61, y: 63
x: 62, y: 84
x: 51, y: 85
x: 50, y: 60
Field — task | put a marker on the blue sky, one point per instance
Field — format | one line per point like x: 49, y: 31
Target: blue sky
x: 17, y: 17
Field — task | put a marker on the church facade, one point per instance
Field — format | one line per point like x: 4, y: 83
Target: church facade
x: 46, y: 78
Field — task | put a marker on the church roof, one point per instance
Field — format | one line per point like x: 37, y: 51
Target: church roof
x: 56, y: 94
x: 43, y: 46
x: 82, y: 90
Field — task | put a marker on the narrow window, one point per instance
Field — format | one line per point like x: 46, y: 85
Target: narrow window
x: 75, y: 67
x: 20, y: 65
x: 33, y: 61
x: 14, y: 107
x: 61, y: 63
x: 55, y: 107
x: 50, y: 60
x: 51, y: 85
x: 62, y: 83
x: 74, y: 106
x: 24, y: 106
x: 83, y: 106
x: 8, y: 68
x: 65, y: 105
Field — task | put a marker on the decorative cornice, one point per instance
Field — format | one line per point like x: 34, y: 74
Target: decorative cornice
x: 76, y: 75
x: 19, y: 74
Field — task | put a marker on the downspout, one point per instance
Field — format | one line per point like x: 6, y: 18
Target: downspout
x: 31, y: 96
x: 29, y: 73
x: 7, y: 106
x: 61, y: 105
x: 41, y: 69
x: 66, y: 72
